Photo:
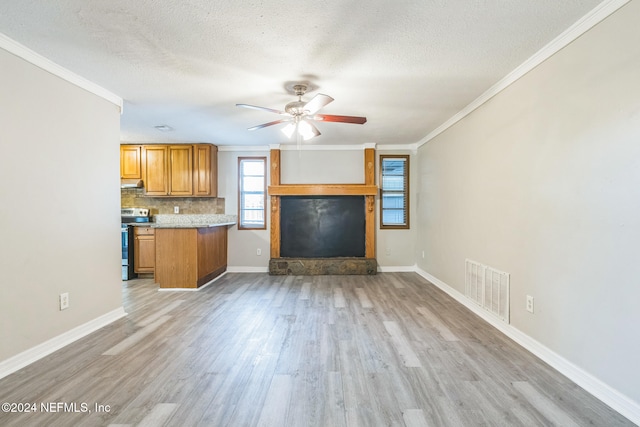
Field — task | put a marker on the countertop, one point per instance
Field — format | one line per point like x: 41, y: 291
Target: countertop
x: 188, y: 221
x: 194, y: 225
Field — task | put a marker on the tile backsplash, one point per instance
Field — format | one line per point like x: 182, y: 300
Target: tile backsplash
x: 134, y: 197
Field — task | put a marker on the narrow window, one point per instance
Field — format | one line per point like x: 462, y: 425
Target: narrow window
x: 394, y: 191
x: 252, y: 193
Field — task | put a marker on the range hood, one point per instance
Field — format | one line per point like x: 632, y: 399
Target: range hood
x: 131, y: 183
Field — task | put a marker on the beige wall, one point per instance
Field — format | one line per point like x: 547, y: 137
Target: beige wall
x: 242, y: 244
x: 59, y: 217
x: 322, y: 166
x: 396, y: 249
x: 543, y: 182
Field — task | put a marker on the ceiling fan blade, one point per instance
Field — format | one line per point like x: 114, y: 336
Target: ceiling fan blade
x: 255, y: 107
x: 264, y: 125
x: 341, y: 119
x: 317, y: 102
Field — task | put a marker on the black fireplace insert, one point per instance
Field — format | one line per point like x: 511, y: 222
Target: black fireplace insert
x: 322, y: 226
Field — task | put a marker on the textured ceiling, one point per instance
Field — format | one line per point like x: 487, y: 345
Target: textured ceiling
x: 408, y: 66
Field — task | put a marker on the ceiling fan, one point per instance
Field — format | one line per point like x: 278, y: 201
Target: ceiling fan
x: 300, y: 114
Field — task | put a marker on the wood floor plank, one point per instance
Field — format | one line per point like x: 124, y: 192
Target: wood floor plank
x: 136, y: 337
x: 365, y: 302
x: 305, y: 292
x: 553, y: 414
x: 339, y: 300
x: 315, y: 351
x: 437, y: 324
x: 155, y: 315
x: 414, y: 418
x: 409, y: 357
x: 276, y: 405
x: 333, y: 399
x: 158, y: 415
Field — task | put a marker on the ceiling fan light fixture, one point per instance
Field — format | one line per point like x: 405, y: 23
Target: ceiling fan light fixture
x: 306, y: 130
x: 302, y: 128
x: 289, y: 129
x: 301, y: 115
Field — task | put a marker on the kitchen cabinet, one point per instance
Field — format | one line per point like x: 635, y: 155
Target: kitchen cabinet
x: 154, y: 169
x: 180, y: 170
x: 205, y: 170
x: 130, y: 162
x: 190, y: 257
x: 144, y: 249
x: 168, y: 170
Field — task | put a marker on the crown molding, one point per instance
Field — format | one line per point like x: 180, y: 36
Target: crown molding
x: 584, y: 24
x: 396, y: 147
x: 320, y: 147
x: 40, y: 61
x: 245, y: 148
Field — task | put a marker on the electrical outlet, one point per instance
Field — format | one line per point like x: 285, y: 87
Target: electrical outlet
x: 529, y: 303
x: 422, y: 254
x: 176, y: 209
x: 258, y: 251
x: 387, y: 252
x: 64, y: 301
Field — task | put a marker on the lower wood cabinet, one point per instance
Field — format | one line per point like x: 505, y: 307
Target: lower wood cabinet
x: 190, y: 257
x: 144, y: 249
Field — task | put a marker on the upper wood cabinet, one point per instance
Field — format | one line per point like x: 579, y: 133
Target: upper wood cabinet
x: 180, y: 170
x: 205, y: 170
x: 154, y: 170
x: 130, y: 162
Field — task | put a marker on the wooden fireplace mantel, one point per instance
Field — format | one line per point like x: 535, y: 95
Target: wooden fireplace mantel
x: 369, y: 190
x: 323, y: 190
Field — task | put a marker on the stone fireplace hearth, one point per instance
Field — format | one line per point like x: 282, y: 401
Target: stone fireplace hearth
x: 322, y: 266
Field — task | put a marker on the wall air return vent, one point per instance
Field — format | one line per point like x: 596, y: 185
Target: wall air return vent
x: 474, y: 281
x: 488, y: 287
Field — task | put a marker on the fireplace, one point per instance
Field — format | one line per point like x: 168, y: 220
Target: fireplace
x: 322, y: 228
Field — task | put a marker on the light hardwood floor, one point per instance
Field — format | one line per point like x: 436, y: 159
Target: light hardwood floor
x: 259, y: 350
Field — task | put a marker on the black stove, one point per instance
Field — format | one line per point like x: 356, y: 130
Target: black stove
x: 129, y: 216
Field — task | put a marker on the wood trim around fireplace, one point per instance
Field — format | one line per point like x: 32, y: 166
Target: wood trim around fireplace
x: 369, y: 190
x: 323, y: 190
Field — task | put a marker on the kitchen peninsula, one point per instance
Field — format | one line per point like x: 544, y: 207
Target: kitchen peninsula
x: 191, y: 250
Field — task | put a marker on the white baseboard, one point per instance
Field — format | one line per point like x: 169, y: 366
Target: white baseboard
x: 382, y: 269
x: 616, y: 400
x: 33, y: 354
x: 396, y: 268
x: 241, y: 269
